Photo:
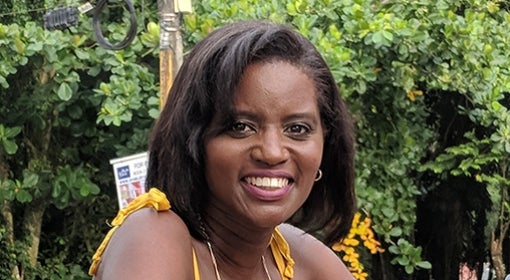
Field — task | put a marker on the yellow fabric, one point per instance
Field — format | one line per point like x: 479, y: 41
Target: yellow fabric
x: 154, y: 198
x: 157, y: 200
x: 196, y: 272
x: 281, y: 254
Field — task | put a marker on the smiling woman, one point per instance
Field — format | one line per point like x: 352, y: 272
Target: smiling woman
x: 254, y: 153
x: 275, y: 135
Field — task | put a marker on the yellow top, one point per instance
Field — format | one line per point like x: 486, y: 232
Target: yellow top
x: 157, y: 200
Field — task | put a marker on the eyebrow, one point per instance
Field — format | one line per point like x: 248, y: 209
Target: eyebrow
x: 306, y: 115
x: 246, y: 114
x: 302, y: 115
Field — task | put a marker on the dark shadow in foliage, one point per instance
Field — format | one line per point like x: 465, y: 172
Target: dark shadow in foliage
x: 450, y: 222
x: 451, y: 217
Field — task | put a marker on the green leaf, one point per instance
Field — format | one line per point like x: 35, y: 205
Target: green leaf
x: 20, y: 46
x: 409, y: 269
x: 10, y: 147
x: 424, y: 265
x: 57, y: 187
x: 94, y: 189
x: 30, y: 179
x: 23, y: 196
x: 154, y: 113
x: 396, y: 231
x: 81, y: 54
x: 377, y: 38
x: 75, y: 112
x: 3, y: 82
x: 403, y: 261
x: 84, y: 190
x: 394, y: 250
x: 36, y: 46
x: 387, y: 35
x: 64, y: 92
x: 12, y: 132
x: 388, y: 212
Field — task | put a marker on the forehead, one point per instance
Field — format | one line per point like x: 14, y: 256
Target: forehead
x: 273, y: 84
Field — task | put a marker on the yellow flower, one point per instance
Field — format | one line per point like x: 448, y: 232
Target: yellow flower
x: 351, y: 242
x: 413, y: 93
x: 360, y: 233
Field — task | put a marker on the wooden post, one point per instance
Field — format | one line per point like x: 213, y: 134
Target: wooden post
x: 170, y: 42
x: 170, y: 47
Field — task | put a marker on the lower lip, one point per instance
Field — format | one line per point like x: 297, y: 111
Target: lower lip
x: 267, y: 194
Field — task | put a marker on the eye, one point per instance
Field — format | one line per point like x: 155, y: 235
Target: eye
x: 241, y: 129
x: 298, y: 130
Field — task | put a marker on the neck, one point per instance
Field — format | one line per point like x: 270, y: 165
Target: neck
x: 238, y: 247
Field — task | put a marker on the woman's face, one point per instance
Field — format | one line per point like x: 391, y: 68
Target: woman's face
x: 262, y: 167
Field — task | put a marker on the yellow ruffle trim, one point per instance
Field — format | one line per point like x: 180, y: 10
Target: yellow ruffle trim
x: 281, y: 254
x: 154, y: 198
x: 157, y: 200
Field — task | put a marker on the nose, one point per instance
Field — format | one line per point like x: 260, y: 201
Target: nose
x: 270, y: 148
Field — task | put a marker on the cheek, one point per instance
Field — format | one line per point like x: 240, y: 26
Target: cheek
x: 310, y: 161
x: 221, y: 152
x: 213, y: 163
x: 220, y: 161
x: 315, y: 155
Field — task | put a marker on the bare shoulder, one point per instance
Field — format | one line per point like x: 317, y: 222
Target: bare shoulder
x: 148, y: 245
x: 313, y: 259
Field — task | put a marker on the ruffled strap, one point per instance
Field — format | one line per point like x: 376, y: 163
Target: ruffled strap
x: 281, y: 254
x: 154, y: 198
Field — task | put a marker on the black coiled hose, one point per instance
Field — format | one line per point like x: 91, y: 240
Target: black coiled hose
x: 101, y: 40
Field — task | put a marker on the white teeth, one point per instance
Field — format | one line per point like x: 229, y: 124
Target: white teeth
x: 266, y: 182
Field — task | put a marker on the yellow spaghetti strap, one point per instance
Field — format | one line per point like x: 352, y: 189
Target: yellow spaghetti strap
x: 157, y: 200
x: 196, y: 272
x: 154, y: 198
x: 281, y: 254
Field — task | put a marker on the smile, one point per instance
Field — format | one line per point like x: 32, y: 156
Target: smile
x: 267, y: 182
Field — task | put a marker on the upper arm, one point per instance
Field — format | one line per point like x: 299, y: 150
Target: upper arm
x: 312, y: 257
x: 148, y: 245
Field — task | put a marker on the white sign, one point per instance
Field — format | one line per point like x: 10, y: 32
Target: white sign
x: 130, y: 173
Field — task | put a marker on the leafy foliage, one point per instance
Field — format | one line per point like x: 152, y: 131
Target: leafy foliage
x: 427, y: 81
x: 68, y: 106
x: 389, y: 56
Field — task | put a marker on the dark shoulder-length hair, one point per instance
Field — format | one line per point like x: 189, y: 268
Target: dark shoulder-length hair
x: 205, y: 86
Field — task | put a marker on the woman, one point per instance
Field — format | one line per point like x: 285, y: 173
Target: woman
x: 254, y: 134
